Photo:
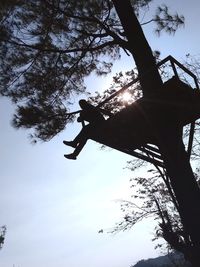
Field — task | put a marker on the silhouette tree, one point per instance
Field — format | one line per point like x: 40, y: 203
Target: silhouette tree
x: 2, y: 235
x: 48, y: 47
x: 154, y: 192
x: 153, y: 197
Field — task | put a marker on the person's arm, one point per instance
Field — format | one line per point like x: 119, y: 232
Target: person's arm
x: 81, y: 119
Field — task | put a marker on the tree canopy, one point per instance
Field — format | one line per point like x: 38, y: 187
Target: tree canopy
x: 48, y: 47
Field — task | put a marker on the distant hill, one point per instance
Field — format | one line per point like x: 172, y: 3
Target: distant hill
x: 171, y: 260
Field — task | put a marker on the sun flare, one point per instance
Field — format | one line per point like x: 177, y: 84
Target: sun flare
x: 126, y: 97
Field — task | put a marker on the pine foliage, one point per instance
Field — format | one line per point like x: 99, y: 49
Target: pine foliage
x: 48, y: 47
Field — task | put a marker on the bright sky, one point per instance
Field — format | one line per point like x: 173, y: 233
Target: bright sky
x: 53, y: 207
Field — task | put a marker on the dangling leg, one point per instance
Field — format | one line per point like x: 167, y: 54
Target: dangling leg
x: 77, y: 150
x: 79, y: 142
x: 70, y: 143
x: 83, y: 133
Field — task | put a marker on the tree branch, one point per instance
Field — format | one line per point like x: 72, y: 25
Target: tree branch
x: 155, y: 20
x: 40, y: 48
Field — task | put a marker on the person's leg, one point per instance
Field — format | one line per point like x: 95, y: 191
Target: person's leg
x: 82, y: 135
x: 77, y: 150
x: 70, y: 143
x: 79, y: 142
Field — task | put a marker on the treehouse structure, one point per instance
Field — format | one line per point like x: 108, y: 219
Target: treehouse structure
x: 133, y: 130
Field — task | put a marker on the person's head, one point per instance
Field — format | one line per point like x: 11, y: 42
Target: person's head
x: 83, y: 103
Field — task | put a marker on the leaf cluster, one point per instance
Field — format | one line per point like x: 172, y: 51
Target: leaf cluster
x: 166, y: 21
x: 2, y: 235
x: 118, y: 102
x: 153, y: 197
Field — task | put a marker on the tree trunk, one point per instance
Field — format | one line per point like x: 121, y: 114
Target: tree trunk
x: 184, y: 186
x: 173, y: 151
x: 138, y: 46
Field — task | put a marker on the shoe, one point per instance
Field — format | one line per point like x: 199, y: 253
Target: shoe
x: 70, y: 143
x: 70, y: 156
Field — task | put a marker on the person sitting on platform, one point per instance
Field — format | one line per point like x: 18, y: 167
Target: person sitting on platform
x: 94, y: 116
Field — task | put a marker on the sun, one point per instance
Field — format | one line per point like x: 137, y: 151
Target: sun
x: 126, y: 97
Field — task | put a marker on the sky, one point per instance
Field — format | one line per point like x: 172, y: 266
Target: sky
x: 53, y: 208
